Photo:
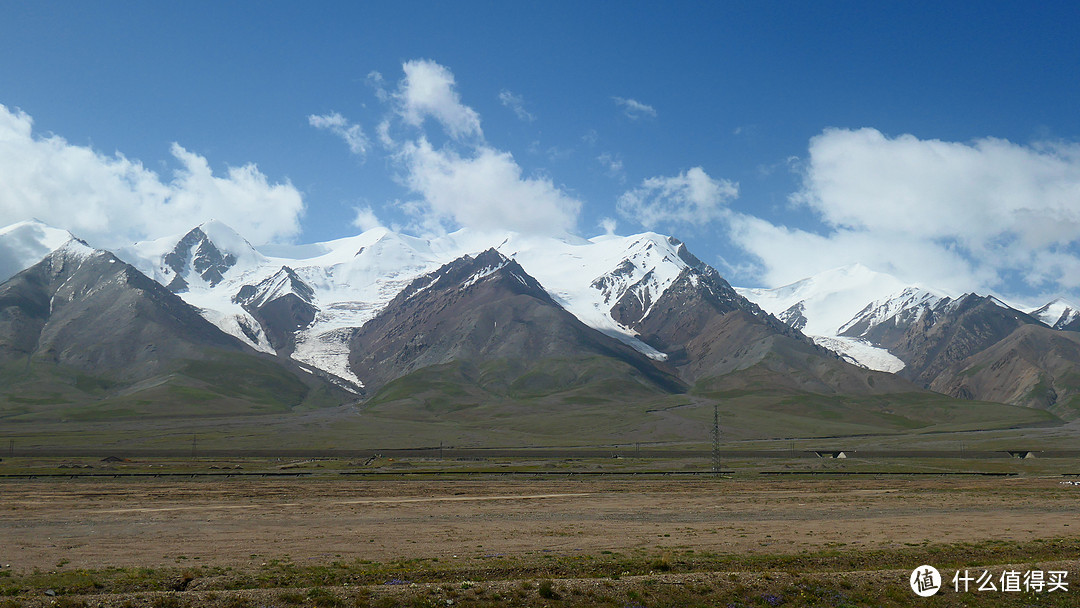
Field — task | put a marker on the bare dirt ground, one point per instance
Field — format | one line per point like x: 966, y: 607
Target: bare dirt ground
x: 243, y: 523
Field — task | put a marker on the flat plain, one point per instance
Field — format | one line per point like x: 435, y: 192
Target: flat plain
x: 413, y: 540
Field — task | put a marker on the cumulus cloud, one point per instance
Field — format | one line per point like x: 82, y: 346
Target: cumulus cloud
x: 689, y: 199
x: 634, y: 109
x: 486, y: 190
x: 428, y: 89
x: 517, y: 104
x: 365, y: 218
x: 465, y: 182
x: 786, y: 255
x: 112, y: 200
x: 973, y: 192
x: 964, y: 216
x: 352, y: 133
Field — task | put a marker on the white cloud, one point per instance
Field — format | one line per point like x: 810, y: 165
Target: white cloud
x: 353, y: 134
x: 112, y: 201
x: 690, y: 199
x: 974, y: 192
x: 786, y: 255
x: 608, y: 225
x: 375, y: 80
x: 634, y: 109
x: 960, y: 216
x: 517, y: 104
x: 613, y: 165
x: 428, y: 89
x: 365, y: 218
x: 485, y: 190
x: 466, y: 182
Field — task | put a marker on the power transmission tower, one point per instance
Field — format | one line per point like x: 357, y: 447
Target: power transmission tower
x: 716, y: 439
x: 194, y: 446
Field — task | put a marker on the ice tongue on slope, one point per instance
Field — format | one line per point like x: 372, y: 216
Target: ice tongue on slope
x: 352, y: 279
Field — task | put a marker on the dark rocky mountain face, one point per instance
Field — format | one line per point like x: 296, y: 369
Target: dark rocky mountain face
x: 976, y: 347
x: 717, y: 338
x: 98, y: 314
x: 1070, y: 325
x: 794, y: 316
x: 87, y: 313
x: 484, y: 309
x: 206, y: 259
x: 935, y: 338
x: 1033, y: 366
x: 283, y: 304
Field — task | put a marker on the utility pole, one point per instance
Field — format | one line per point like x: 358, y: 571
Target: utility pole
x: 716, y: 439
x: 11, y: 448
x: 194, y: 445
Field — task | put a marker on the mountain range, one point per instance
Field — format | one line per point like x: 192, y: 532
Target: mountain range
x: 476, y: 318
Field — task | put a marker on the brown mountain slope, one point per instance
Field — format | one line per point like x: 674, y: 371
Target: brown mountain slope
x: 82, y: 327
x: 947, y: 333
x: 92, y: 312
x: 479, y: 310
x: 1033, y: 366
x: 717, y: 338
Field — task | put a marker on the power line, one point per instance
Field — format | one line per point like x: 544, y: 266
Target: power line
x: 716, y: 439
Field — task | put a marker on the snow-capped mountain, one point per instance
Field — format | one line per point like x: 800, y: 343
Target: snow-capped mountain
x: 827, y: 305
x: 307, y: 301
x: 821, y: 304
x: 24, y: 244
x: 899, y: 310
x: 91, y: 330
x: 205, y: 267
x: 608, y: 282
x: 678, y: 321
x: 1058, y: 314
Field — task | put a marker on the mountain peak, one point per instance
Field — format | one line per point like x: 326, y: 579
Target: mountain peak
x: 26, y: 243
x: 1058, y: 314
x: 829, y: 299
x: 206, y: 254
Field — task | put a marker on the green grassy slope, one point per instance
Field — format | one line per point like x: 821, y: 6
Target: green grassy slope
x: 223, y: 384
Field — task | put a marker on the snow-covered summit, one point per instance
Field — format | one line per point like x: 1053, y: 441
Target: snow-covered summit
x: 1058, y: 314
x: 589, y: 278
x: 200, y: 258
x: 826, y: 306
x: 25, y: 243
x: 901, y: 308
x: 826, y: 300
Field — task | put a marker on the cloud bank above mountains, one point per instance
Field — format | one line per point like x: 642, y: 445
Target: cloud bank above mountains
x: 113, y: 200
x: 987, y: 214
x: 464, y: 181
x: 962, y: 215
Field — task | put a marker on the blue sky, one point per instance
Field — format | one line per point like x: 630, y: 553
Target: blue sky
x: 936, y: 141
